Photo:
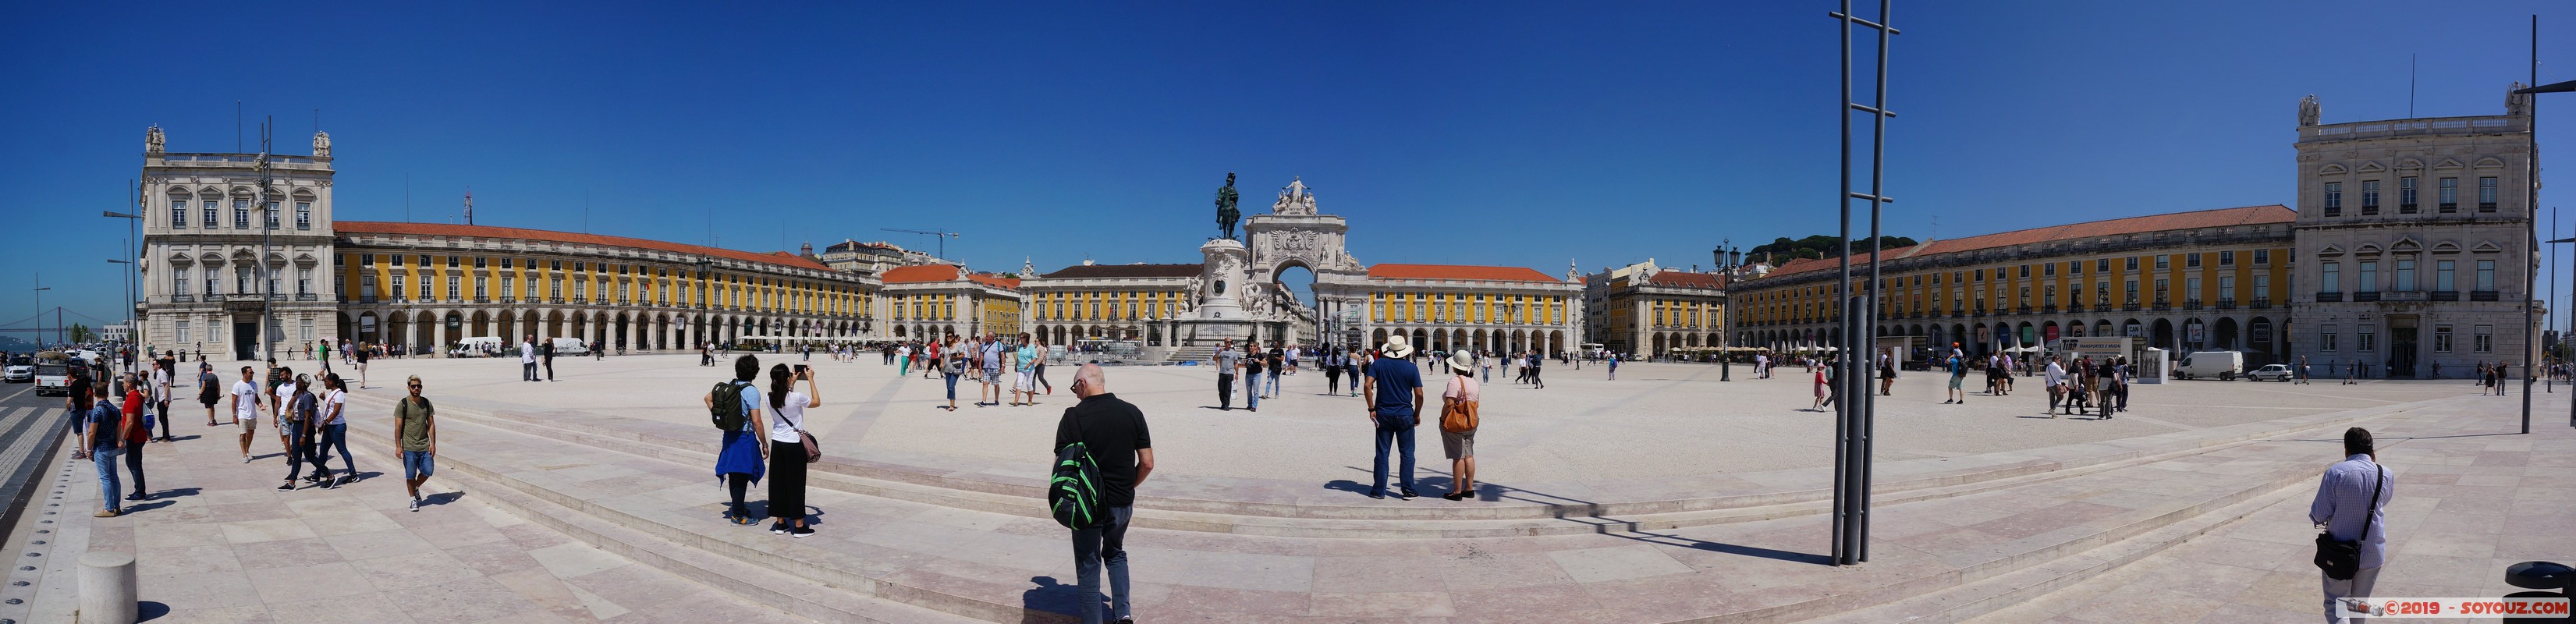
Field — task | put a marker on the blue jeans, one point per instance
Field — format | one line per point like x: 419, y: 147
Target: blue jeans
x: 1402, y: 438
x: 1252, y: 391
x: 334, y: 436
x: 105, y: 460
x: 1092, y: 547
x: 1274, y: 383
x: 952, y: 387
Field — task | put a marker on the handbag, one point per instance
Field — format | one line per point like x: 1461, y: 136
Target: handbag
x: 2340, y: 559
x: 1458, y: 416
x: 813, y: 445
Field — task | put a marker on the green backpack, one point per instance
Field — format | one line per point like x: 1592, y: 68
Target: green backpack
x: 727, y: 411
x: 1073, y: 488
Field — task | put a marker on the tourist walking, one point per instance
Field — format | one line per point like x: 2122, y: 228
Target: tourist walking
x: 161, y: 373
x: 136, y: 429
x: 2303, y: 370
x: 1252, y: 366
x: 787, y: 457
x: 1024, y: 373
x: 1958, y: 368
x: 1535, y: 358
x: 363, y: 354
x: 284, y: 394
x: 744, y: 453
x: 1886, y: 374
x: 303, y: 414
x: 1614, y: 367
x: 2351, y: 504
x: 990, y: 355
x: 416, y: 432
x: 1227, y: 364
x: 903, y: 360
x: 1394, y: 391
x: 1458, y: 424
x: 1043, y: 353
x: 1114, y: 431
x: 1278, y: 363
x: 209, y: 390
x: 101, y: 444
x: 2055, y: 377
x: 245, y: 395
x: 1331, y: 360
x: 546, y: 356
x: 334, y: 432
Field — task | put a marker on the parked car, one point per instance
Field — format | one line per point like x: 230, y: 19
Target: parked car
x: 2272, y: 372
x: 22, y: 373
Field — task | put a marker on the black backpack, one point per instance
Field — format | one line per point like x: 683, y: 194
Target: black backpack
x: 1073, y: 489
x: 727, y: 411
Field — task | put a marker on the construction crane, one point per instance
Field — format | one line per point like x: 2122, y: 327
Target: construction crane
x: 942, y: 235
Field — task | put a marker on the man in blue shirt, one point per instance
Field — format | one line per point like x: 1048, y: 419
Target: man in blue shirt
x: 1394, y: 391
x: 2351, y: 500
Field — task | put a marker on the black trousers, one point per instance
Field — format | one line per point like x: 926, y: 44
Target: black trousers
x: 550, y: 368
x: 1225, y: 390
x: 134, y: 466
x: 787, y: 480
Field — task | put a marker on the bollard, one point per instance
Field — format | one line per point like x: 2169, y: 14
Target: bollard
x: 107, y: 591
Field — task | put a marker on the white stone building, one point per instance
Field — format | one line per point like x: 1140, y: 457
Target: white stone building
x: 221, y: 251
x: 2415, y: 240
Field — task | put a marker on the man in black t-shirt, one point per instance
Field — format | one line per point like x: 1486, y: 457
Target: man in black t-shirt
x: 1115, y: 432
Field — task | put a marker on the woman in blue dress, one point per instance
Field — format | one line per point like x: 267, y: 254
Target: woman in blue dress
x: 745, y: 454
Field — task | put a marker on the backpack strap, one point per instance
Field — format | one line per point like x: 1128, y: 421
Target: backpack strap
x: 2367, y: 512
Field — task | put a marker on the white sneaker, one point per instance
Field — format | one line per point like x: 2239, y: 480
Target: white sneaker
x: 415, y: 504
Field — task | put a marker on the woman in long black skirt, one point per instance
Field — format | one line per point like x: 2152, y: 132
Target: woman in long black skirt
x: 787, y: 447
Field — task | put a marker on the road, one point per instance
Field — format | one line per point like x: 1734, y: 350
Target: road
x: 30, y: 427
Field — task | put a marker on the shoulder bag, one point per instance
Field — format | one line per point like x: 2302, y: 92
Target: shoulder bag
x: 1458, y: 416
x: 813, y: 445
x: 2340, y: 559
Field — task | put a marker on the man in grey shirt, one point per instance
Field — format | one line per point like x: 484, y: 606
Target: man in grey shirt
x: 1227, y: 364
x: 2349, y: 505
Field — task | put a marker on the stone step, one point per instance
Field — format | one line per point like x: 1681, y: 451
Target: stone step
x: 828, y: 598
x: 971, y: 563
x: 1985, y: 595
x: 689, y: 445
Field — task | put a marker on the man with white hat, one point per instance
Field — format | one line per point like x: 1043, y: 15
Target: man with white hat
x: 1394, y: 392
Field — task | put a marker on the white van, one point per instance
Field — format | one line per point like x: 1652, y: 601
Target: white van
x: 477, y: 346
x: 570, y: 346
x: 2225, y: 365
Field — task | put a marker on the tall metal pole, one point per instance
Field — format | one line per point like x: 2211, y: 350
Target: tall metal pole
x: 267, y: 287
x: 1843, y: 535
x: 1856, y: 319
x: 1869, y: 311
x: 2530, y: 212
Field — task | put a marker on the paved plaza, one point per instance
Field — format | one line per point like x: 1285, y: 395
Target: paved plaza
x: 1663, y: 496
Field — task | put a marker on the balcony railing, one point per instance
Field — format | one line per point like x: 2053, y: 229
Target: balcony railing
x: 2446, y: 295
x: 183, y: 298
x: 2021, y: 310
x: 2191, y: 304
x: 2482, y: 295
x: 2161, y: 306
x: 2129, y: 307
x: 2227, y: 304
x: 2048, y: 309
x: 482, y: 300
x: 2365, y: 296
x: 2402, y: 295
x: 2262, y: 303
x: 307, y: 297
x: 2329, y: 297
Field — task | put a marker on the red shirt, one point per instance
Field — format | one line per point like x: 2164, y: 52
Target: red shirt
x: 134, y: 430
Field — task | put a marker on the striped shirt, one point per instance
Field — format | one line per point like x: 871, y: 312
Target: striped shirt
x: 2344, y: 494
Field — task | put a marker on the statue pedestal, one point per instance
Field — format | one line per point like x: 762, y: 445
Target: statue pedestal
x: 1220, y: 315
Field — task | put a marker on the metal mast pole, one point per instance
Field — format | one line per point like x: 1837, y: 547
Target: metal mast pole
x: 2530, y: 213
x: 1857, y: 318
x: 268, y: 289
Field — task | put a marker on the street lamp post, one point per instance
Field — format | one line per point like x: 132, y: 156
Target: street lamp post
x: 2531, y: 198
x: 129, y: 305
x: 134, y: 227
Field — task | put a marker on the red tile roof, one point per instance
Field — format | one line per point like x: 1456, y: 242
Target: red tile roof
x: 1457, y: 272
x: 930, y: 273
x: 1687, y: 279
x: 490, y: 231
x: 920, y: 273
x: 1126, y: 271
x: 2222, y: 217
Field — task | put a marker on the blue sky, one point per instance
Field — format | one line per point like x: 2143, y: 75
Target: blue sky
x: 1521, y: 134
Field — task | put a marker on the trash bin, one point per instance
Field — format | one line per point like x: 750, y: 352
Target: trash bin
x: 2541, y: 575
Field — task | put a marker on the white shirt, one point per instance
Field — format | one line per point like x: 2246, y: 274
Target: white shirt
x: 2056, y: 376
x: 337, y: 407
x: 285, y: 400
x: 527, y: 353
x: 160, y: 385
x: 245, y: 400
x: 789, y: 419
x: 903, y: 351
